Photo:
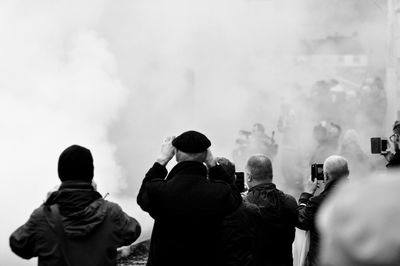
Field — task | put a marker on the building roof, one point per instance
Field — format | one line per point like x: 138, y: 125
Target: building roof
x: 333, y: 45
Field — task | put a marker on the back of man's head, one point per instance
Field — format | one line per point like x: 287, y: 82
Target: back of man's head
x: 335, y: 167
x: 76, y: 164
x: 228, y: 167
x: 259, y: 168
x: 184, y: 156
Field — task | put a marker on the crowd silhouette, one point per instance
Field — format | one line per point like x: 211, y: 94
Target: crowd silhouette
x: 202, y: 218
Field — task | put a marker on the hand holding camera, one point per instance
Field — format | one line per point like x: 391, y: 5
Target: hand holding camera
x: 311, y: 186
x: 210, y: 161
x: 317, y: 174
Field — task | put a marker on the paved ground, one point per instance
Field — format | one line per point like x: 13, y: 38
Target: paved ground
x: 138, y: 255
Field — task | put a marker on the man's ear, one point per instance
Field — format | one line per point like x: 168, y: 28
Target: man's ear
x: 249, y: 178
x: 327, y: 177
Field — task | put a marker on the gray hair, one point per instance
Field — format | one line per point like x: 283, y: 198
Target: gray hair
x: 336, y: 167
x: 184, y: 156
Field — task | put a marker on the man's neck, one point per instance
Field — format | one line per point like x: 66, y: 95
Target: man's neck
x: 260, y: 182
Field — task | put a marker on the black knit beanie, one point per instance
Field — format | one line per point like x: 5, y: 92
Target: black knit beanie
x: 76, y: 163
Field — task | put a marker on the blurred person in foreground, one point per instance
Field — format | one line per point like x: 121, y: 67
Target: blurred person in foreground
x: 360, y: 224
x: 278, y: 210
x: 75, y: 225
x: 239, y: 229
x: 335, y: 171
x: 394, y: 158
x: 188, y: 204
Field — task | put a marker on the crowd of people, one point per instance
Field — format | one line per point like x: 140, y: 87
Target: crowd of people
x: 202, y: 218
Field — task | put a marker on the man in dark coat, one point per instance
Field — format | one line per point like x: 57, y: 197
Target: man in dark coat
x: 335, y: 171
x: 75, y: 226
x: 276, y: 234
x: 188, y: 204
x: 239, y: 229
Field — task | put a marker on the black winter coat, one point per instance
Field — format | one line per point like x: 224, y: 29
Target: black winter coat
x: 93, y: 227
x: 394, y: 161
x: 276, y: 234
x: 239, y: 232
x: 188, y: 209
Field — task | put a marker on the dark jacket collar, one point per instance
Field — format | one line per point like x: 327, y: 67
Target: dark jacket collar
x: 76, y: 185
x: 188, y: 168
x: 263, y: 186
x: 73, y: 196
x: 333, y: 183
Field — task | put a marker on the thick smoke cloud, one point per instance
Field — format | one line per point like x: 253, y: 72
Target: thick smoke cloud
x: 117, y: 77
x: 58, y: 86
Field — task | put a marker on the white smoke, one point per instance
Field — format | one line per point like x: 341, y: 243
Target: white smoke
x: 59, y: 86
x: 117, y: 77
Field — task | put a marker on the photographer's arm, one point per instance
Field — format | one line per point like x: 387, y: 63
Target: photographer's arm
x: 216, y: 172
x: 388, y: 155
x: 307, y: 207
x: 154, y: 178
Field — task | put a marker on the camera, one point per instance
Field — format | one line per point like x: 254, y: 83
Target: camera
x: 317, y: 171
x: 378, y: 145
x: 239, y: 182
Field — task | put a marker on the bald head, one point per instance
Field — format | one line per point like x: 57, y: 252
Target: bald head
x: 259, y: 168
x: 335, y: 167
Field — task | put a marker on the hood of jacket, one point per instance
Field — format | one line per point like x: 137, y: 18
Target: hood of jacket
x: 265, y: 195
x: 82, y: 208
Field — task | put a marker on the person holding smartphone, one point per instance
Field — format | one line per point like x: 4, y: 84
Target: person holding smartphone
x: 394, y: 158
x: 335, y: 170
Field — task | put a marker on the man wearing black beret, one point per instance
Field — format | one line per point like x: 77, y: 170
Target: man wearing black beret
x: 188, y: 204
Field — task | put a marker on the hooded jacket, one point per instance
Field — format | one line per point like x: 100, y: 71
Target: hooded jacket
x: 276, y: 233
x: 93, y: 228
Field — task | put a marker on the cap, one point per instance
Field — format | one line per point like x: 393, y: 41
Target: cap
x: 191, y: 142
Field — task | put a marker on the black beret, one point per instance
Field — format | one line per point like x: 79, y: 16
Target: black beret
x: 191, y: 142
x: 76, y: 163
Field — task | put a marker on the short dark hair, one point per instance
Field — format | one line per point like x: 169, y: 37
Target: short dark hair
x: 229, y: 168
x: 259, y: 167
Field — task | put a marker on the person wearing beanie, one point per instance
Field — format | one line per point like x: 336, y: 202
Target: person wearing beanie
x: 394, y: 158
x: 75, y: 225
x: 188, y: 204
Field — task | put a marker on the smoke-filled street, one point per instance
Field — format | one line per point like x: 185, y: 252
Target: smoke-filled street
x: 293, y: 81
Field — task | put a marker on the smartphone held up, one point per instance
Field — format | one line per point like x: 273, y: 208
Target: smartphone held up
x: 317, y: 171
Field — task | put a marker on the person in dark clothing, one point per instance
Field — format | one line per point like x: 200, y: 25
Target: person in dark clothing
x: 276, y: 234
x: 394, y: 158
x: 239, y: 229
x: 189, y: 204
x: 335, y: 171
x: 75, y: 225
